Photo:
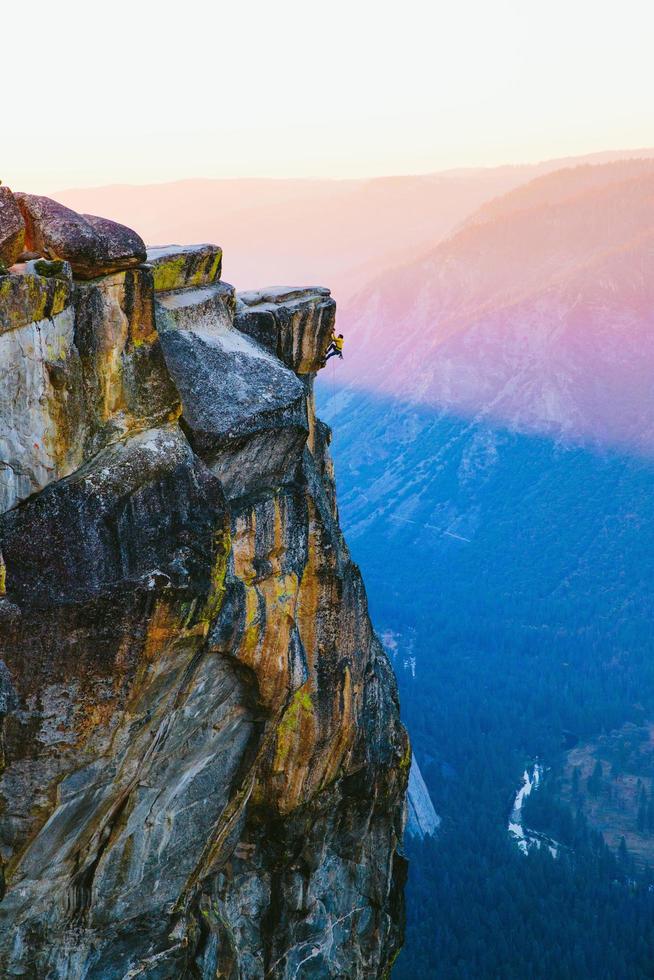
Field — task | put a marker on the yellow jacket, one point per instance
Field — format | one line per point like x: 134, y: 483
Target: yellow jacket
x: 338, y: 342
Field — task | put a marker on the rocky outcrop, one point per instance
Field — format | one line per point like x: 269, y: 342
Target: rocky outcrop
x: 294, y: 324
x: 203, y: 768
x: 245, y: 414
x: 93, y: 246
x: 175, y: 267
x: 422, y: 819
x: 12, y: 228
x: 80, y: 365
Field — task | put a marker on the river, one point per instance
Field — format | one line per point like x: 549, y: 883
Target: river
x: 525, y: 838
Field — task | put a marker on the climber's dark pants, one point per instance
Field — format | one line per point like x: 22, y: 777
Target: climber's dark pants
x: 331, y: 351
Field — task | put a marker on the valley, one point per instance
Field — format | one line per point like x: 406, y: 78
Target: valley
x: 492, y: 444
x: 492, y: 438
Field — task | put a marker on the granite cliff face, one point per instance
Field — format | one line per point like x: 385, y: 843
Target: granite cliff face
x: 203, y: 770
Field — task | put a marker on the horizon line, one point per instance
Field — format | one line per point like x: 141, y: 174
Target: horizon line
x: 642, y: 152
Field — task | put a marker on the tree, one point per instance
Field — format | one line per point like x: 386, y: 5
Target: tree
x: 595, y: 779
x: 641, y: 818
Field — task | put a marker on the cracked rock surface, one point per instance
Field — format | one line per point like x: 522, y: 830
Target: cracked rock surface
x: 202, y: 767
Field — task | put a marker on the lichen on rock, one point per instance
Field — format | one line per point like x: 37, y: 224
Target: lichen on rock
x: 175, y: 267
x: 201, y: 765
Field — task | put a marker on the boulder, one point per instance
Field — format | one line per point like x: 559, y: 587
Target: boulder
x: 106, y: 526
x: 206, y: 308
x: 294, y: 324
x: 118, y: 245
x: 12, y: 228
x: 178, y: 267
x: 93, y: 246
x: 244, y: 412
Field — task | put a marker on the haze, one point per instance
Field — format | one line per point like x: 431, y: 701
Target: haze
x: 290, y: 89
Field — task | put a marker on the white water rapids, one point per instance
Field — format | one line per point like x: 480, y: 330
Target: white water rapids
x: 523, y: 836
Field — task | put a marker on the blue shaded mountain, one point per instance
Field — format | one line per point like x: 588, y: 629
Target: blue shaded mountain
x: 494, y: 451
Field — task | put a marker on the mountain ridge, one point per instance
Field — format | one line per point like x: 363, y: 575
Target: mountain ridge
x: 277, y: 230
x: 452, y: 329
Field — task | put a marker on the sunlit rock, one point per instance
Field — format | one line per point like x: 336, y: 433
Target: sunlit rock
x: 179, y: 267
x: 205, y: 308
x: 78, y: 367
x: 294, y: 324
x: 203, y: 764
x: 127, y: 383
x: 12, y: 228
x: 93, y: 246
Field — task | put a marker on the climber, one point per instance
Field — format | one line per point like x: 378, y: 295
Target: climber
x: 335, y: 347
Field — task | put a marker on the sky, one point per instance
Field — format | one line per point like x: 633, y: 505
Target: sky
x: 143, y: 92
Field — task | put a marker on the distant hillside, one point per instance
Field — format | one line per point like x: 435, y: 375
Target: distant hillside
x: 337, y: 232
x: 493, y: 427
x: 539, y: 316
x: 561, y: 185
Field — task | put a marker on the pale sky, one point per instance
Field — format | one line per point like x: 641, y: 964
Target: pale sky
x: 140, y: 91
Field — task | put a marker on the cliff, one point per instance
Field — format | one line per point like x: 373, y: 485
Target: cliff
x: 422, y: 819
x: 203, y: 768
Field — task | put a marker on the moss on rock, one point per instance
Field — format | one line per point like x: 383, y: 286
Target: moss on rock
x: 183, y: 268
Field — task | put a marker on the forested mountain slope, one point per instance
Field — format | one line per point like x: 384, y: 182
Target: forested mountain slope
x: 493, y: 423
x: 492, y: 434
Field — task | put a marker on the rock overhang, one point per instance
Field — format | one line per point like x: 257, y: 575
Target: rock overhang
x: 294, y: 323
x: 273, y: 296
